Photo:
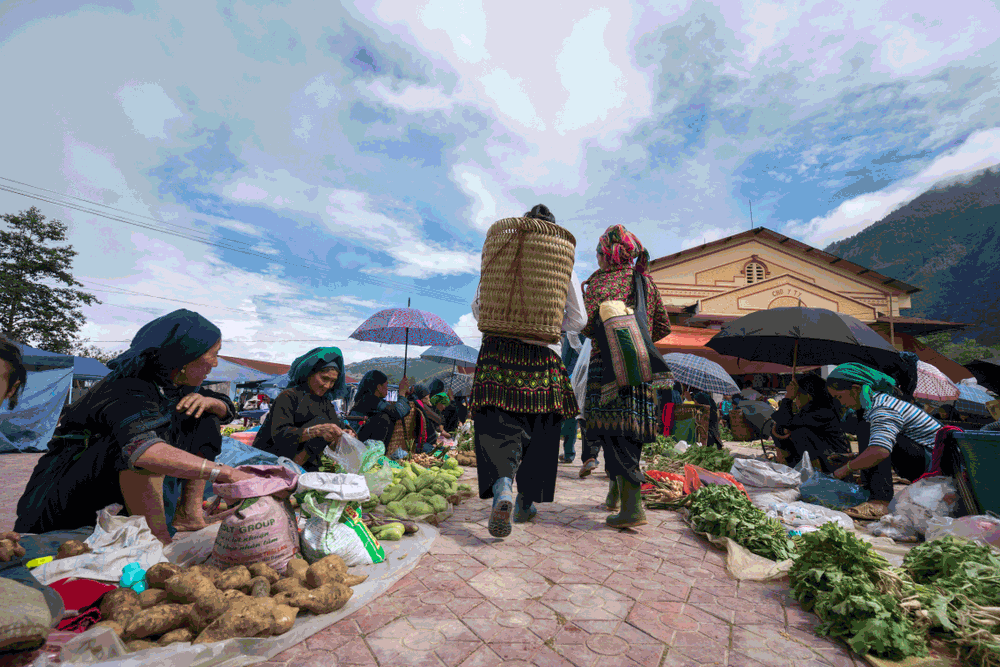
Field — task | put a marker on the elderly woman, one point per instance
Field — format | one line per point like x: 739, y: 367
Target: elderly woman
x: 147, y: 419
x: 630, y: 419
x: 380, y: 415
x: 807, y: 424
x: 303, y: 419
x: 12, y: 373
x: 892, y: 435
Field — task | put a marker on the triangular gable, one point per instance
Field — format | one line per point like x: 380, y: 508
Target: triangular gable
x: 783, y: 291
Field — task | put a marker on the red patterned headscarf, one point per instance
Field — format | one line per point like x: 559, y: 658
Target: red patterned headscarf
x: 620, y: 246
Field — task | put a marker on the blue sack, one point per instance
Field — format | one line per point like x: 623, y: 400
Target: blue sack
x: 828, y: 491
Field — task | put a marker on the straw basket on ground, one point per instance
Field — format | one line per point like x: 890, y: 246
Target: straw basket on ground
x: 404, y: 432
x: 526, y: 269
x: 740, y: 427
x: 697, y: 412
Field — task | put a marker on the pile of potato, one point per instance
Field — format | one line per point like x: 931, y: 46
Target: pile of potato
x: 10, y: 547
x: 202, y: 603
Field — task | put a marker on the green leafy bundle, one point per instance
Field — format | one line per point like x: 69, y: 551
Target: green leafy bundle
x: 724, y: 511
x: 855, y: 594
x: 709, y: 458
x: 663, y: 446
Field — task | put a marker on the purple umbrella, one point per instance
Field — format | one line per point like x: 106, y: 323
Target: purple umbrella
x: 402, y: 326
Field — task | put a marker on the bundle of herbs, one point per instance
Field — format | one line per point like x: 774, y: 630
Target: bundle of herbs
x: 724, y: 511
x: 709, y: 458
x: 855, y: 593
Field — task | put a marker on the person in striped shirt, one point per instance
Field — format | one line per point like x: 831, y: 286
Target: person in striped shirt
x: 892, y: 434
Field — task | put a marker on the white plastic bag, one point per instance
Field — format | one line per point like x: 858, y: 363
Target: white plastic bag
x: 806, y: 514
x: 921, y: 501
x: 804, y: 468
x: 979, y: 529
x: 896, y: 526
x: 764, y: 497
x: 580, y: 372
x: 335, y: 486
x: 334, y: 529
x: 350, y: 454
x: 765, y: 474
x: 681, y: 447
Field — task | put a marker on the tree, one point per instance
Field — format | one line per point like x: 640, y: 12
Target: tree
x: 81, y: 349
x: 963, y: 352
x: 40, y: 305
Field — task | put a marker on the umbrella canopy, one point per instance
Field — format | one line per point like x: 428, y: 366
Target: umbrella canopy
x: 756, y: 412
x: 460, y: 385
x: 794, y: 336
x: 700, y: 373
x: 972, y: 400
x: 227, y: 371
x: 402, y: 326
x: 986, y: 372
x: 457, y: 354
x: 934, y: 385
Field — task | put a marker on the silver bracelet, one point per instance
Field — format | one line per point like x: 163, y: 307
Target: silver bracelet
x: 201, y: 473
x: 214, y: 474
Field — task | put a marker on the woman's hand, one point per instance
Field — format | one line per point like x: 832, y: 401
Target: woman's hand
x: 404, y: 386
x: 230, y: 475
x: 329, y: 432
x: 195, y: 405
x: 842, y: 472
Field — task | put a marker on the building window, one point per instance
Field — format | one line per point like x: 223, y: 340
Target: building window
x: 754, y: 273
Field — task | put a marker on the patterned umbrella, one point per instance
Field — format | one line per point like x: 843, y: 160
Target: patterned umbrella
x: 700, y: 373
x: 463, y: 354
x: 972, y: 399
x: 402, y: 326
x: 933, y: 385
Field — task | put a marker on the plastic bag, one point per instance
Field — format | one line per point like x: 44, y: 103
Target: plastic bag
x: 923, y: 500
x: 799, y: 514
x: 896, y: 526
x: 681, y: 447
x: 764, y: 497
x: 979, y: 529
x: 349, y: 455
x: 828, y: 491
x: 752, y: 472
x: 695, y: 478
x: 805, y: 469
x: 334, y: 486
x: 379, y: 478
x: 336, y: 529
x: 580, y: 372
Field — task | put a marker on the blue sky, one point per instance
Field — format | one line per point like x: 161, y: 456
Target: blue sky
x: 321, y: 161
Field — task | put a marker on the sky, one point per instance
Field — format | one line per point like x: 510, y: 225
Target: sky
x: 287, y: 169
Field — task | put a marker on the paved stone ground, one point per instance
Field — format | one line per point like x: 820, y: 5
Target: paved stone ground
x: 561, y: 590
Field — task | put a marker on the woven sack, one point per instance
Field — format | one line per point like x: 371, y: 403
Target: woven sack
x: 526, y: 269
x: 740, y: 427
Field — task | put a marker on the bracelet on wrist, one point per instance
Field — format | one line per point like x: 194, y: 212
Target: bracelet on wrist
x: 201, y: 473
x: 216, y: 471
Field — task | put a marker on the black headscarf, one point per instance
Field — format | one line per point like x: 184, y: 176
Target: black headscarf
x: 367, y: 400
x: 165, y: 344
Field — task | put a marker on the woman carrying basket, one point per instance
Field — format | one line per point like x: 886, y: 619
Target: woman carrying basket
x: 630, y: 419
x: 520, y: 395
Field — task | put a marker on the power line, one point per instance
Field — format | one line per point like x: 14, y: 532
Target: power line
x: 190, y: 235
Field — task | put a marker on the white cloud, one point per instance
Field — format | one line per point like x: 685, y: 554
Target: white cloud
x: 148, y: 107
x: 510, y: 98
x: 411, y: 98
x: 322, y: 92
x: 464, y: 21
x: 468, y: 329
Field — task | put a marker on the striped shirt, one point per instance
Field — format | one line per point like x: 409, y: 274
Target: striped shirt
x: 890, y: 417
x: 994, y: 426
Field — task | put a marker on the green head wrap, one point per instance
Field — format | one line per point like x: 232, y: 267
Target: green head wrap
x: 868, y: 378
x: 317, y: 359
x: 441, y: 398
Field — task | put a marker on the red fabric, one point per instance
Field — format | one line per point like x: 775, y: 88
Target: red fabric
x: 939, y: 444
x: 80, y: 593
x: 668, y: 419
x: 81, y: 622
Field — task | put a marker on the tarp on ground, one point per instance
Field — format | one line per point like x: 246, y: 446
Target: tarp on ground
x: 29, y: 427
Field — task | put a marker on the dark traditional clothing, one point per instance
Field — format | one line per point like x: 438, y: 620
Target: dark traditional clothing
x: 714, y: 434
x: 816, y: 432
x: 455, y: 414
x: 295, y: 410
x: 631, y: 419
x: 380, y: 415
x: 107, y: 429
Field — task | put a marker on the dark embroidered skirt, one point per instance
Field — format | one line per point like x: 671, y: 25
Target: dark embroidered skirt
x: 522, y: 378
x: 632, y: 414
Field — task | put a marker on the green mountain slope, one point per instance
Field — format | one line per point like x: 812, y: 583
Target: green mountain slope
x: 417, y: 369
x: 946, y: 242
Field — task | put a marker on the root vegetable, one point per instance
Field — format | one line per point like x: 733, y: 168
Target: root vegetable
x: 157, y: 620
x: 11, y: 535
x: 355, y: 579
x: 264, y: 570
x: 178, y: 635
x: 246, y: 620
x: 260, y: 587
x: 210, y: 572
x: 71, y: 548
x: 209, y: 607
x: 283, y: 618
x: 287, y: 584
x: 152, y: 597
x: 325, y: 571
x: 6, y: 551
x: 188, y: 587
x: 328, y: 597
x: 234, y: 594
x: 235, y: 577
x: 114, y: 626
x: 139, y: 645
x: 297, y: 568
x: 157, y: 575
x: 120, y: 605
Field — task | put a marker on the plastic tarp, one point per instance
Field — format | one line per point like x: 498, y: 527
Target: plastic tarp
x: 29, y: 427
x: 227, y: 371
x: 32, y: 356
x: 85, y: 368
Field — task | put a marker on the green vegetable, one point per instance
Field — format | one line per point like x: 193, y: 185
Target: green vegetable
x: 725, y: 511
x: 709, y: 458
x: 438, y: 503
x: 417, y: 508
x: 390, y: 531
x: 396, y: 508
x: 465, y: 488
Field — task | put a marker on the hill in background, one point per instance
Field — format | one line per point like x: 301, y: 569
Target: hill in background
x: 946, y: 242
x: 417, y: 369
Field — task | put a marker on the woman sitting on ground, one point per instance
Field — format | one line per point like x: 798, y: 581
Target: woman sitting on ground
x: 147, y: 419
x: 303, y: 419
x: 380, y: 415
x: 455, y: 414
x: 892, y: 435
x: 806, y: 424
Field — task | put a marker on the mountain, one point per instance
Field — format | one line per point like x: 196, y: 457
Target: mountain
x: 946, y: 242
x: 416, y: 368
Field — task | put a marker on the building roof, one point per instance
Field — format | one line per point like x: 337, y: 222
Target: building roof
x: 268, y: 367
x: 917, y: 326
x: 787, y: 241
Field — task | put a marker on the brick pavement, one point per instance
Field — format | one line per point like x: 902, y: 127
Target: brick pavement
x: 565, y: 590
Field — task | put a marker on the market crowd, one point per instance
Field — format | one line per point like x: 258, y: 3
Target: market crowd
x: 151, y: 423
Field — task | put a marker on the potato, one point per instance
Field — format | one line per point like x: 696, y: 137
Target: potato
x: 157, y: 575
x: 297, y: 568
x: 244, y: 620
x: 260, y: 587
x: 157, y: 621
x: 283, y: 618
x: 207, y: 609
x: 234, y: 595
x: 237, y: 576
x: 286, y: 596
x: 188, y: 587
x: 152, y: 597
x: 322, y: 600
x: 354, y: 579
x: 139, y: 645
x: 114, y: 626
x: 120, y: 605
x: 287, y: 584
x: 210, y: 572
x: 19, y: 551
x: 264, y: 570
x: 325, y: 571
x: 6, y: 551
x: 71, y: 548
x: 11, y: 535
x: 178, y: 635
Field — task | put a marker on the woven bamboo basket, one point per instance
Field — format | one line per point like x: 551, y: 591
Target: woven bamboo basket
x: 740, y: 427
x: 404, y: 432
x: 697, y: 412
x: 526, y: 269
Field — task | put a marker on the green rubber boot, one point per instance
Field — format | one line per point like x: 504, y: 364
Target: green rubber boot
x: 614, y: 494
x: 632, y: 513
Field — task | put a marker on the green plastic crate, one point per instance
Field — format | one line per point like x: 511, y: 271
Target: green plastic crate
x: 981, y: 453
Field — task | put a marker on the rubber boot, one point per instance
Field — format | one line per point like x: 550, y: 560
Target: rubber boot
x: 503, y: 504
x: 614, y: 494
x: 524, y: 510
x: 632, y: 513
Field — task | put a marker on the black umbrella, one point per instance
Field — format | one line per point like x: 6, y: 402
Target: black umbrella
x: 807, y: 336
x: 987, y: 373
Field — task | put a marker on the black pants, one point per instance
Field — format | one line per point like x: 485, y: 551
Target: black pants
x: 907, y: 459
x: 589, y: 448
x: 621, y: 457
x: 805, y: 442
x: 714, y: 435
x: 377, y: 427
x: 519, y: 446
